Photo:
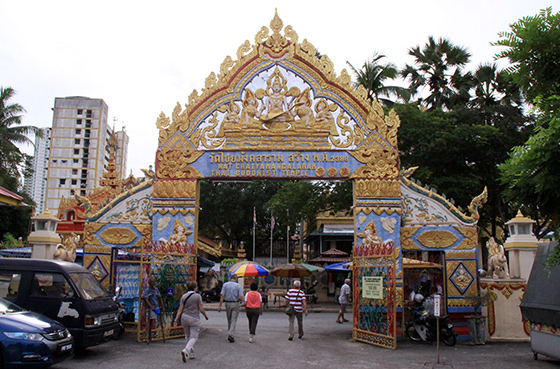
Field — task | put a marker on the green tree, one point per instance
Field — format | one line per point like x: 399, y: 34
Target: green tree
x: 13, y: 162
x: 12, y: 133
x: 494, y: 87
x: 458, y: 153
x: 227, y: 210
x: 531, y: 171
x: 438, y: 66
x: 298, y: 201
x: 533, y: 49
x: 373, y: 77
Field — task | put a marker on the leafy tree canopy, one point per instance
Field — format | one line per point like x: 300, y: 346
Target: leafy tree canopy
x: 533, y: 48
x: 531, y: 172
x: 227, y: 207
x: 373, y: 77
x: 439, y: 66
x: 457, y: 153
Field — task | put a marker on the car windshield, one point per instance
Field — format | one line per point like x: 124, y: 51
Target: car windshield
x: 88, y: 286
x: 7, y: 307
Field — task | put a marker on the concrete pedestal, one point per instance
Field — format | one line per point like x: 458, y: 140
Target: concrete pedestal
x: 504, y: 321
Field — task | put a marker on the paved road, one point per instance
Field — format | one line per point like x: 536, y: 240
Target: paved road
x: 325, y: 345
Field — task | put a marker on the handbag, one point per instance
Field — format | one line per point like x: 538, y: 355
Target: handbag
x: 290, y: 310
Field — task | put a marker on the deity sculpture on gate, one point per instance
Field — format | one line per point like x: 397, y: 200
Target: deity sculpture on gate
x: 250, y: 113
x: 275, y: 107
x: 371, y: 242
x: 302, y: 109
x: 231, y: 119
x: 178, y: 239
x: 323, y: 117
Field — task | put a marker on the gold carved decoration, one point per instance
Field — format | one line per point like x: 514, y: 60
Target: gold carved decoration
x: 146, y: 231
x: 437, y: 239
x: 471, y: 237
x: 174, y: 164
x: 461, y: 278
x: 475, y: 204
x: 230, y: 114
x: 174, y: 189
x: 97, y: 250
x: 406, y: 238
x: 379, y: 163
x: 90, y: 229
x: 118, y: 236
x: 173, y: 211
x: 460, y: 255
x: 377, y: 188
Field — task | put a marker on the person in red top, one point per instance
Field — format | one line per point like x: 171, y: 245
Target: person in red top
x: 253, y: 308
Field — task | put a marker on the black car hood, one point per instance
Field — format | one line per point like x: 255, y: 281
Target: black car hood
x: 27, y: 321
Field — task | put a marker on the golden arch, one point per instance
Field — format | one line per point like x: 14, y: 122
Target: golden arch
x: 280, y: 111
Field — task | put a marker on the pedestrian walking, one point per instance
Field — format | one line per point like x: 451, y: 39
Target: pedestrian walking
x: 253, y: 308
x: 344, y: 299
x: 189, y: 314
x: 264, y: 297
x: 295, y: 298
x: 232, y: 295
x: 153, y: 304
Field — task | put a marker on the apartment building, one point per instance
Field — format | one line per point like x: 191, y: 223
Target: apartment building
x: 36, y: 184
x: 79, y: 148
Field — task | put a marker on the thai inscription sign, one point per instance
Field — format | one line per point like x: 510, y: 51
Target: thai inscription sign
x: 286, y: 164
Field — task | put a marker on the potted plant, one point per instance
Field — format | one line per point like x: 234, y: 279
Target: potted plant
x: 477, y: 321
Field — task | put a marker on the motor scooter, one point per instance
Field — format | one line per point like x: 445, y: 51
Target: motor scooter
x: 312, y: 292
x: 423, y: 326
x: 212, y: 295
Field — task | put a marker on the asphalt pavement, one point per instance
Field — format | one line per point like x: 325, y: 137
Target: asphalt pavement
x: 324, y: 345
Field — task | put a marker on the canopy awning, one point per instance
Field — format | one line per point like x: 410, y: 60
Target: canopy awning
x: 541, y: 300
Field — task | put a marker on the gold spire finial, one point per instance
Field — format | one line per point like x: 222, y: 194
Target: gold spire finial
x: 276, y: 23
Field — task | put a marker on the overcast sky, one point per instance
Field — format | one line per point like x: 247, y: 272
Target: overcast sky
x: 143, y: 57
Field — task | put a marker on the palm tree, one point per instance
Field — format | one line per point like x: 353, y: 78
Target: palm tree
x: 373, y: 76
x: 12, y: 134
x: 494, y: 87
x: 438, y: 65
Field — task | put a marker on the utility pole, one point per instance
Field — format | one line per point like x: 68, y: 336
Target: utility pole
x: 287, y: 237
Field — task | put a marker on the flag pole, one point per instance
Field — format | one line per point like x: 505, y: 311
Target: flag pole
x: 254, y: 229
x: 288, y: 237
x: 271, y: 229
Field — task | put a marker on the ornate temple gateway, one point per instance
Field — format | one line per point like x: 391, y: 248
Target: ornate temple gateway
x: 279, y: 111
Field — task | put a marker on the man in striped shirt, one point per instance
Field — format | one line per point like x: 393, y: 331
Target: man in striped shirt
x: 296, y: 298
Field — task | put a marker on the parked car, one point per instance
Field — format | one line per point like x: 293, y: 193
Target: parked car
x: 65, y: 292
x: 30, y: 339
